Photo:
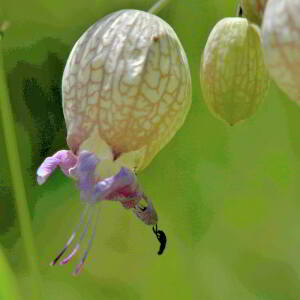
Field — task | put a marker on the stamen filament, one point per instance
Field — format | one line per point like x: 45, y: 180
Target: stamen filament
x: 80, y: 265
x: 68, y: 258
x: 158, y: 6
x: 83, y: 234
x: 72, y: 237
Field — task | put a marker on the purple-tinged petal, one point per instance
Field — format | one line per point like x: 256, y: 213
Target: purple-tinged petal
x: 87, y: 161
x: 68, y: 161
x: 103, y: 188
x: 126, y: 177
x: 85, y: 171
x: 65, y: 159
x: 111, y: 188
x: 46, y: 169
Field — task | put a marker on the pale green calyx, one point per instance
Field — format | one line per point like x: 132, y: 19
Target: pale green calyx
x: 233, y: 76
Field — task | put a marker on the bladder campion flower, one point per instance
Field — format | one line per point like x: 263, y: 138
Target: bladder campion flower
x: 126, y: 91
x: 233, y: 76
x: 281, y: 40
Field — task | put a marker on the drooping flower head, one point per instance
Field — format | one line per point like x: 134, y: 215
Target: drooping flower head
x: 233, y: 76
x: 126, y: 91
x: 281, y: 41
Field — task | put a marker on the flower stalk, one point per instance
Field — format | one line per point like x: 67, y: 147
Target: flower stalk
x: 11, y: 145
x: 158, y: 6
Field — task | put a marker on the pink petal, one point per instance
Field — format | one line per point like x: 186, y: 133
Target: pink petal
x: 64, y: 158
x: 46, y: 168
x: 85, y: 170
x: 112, y: 187
x: 68, y: 160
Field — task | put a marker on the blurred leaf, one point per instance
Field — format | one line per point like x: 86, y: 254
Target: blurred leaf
x: 8, y: 284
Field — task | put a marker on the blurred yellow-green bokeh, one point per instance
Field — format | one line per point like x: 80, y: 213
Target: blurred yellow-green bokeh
x: 227, y: 198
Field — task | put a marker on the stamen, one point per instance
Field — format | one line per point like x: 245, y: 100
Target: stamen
x: 59, y: 255
x: 76, y: 248
x: 80, y: 265
x: 69, y: 257
x: 71, y: 237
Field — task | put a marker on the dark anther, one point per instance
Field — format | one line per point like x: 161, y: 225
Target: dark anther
x: 59, y: 256
x: 161, y: 238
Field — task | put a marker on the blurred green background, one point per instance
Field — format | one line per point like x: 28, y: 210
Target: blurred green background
x: 227, y: 198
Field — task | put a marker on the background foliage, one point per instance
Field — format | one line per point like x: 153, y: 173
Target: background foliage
x: 228, y: 198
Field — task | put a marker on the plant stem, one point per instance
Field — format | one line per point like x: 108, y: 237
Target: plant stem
x: 8, y: 283
x: 158, y: 6
x: 17, y: 181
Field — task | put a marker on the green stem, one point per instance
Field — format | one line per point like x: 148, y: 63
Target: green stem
x: 17, y: 181
x: 8, y: 283
x: 158, y: 6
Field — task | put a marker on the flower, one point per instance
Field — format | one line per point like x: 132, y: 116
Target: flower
x: 126, y: 91
x: 122, y: 187
x: 233, y: 76
x: 281, y: 44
